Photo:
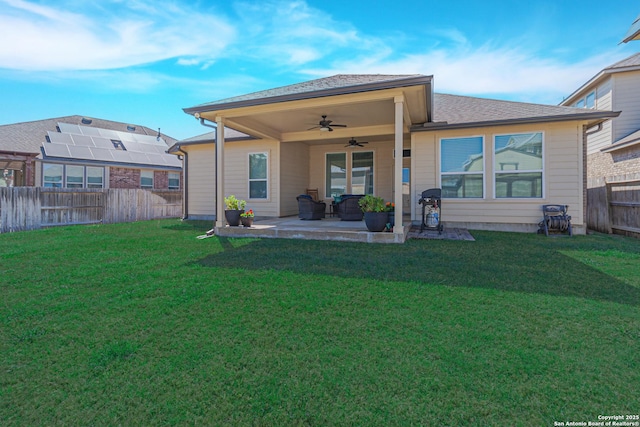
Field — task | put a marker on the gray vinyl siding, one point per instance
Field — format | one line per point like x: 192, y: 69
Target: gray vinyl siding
x: 626, y: 88
x: 602, y: 139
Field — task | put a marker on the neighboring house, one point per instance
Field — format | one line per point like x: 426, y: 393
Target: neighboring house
x: 615, y: 150
x: 81, y: 152
x: 498, y: 162
x: 634, y: 31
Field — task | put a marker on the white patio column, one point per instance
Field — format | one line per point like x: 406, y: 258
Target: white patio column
x: 398, y: 228
x: 220, y: 219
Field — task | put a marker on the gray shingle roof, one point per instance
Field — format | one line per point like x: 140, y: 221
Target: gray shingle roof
x: 229, y: 134
x: 341, y: 83
x: 465, y: 111
x: 634, y: 31
x: 632, y: 61
x: 27, y: 137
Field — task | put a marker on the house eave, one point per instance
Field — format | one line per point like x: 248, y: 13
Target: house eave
x: 594, y: 81
x: 592, y: 118
x: 367, y: 87
x: 67, y: 160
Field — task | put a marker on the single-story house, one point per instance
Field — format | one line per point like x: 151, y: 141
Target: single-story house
x: 497, y: 162
x: 83, y: 152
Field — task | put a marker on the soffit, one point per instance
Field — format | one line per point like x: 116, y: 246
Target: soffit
x: 368, y: 114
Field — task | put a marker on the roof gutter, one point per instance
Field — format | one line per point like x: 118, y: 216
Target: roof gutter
x: 602, y: 115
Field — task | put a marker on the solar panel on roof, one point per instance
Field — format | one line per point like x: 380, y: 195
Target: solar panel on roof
x: 84, y: 153
x: 102, y: 154
x: 89, y: 131
x: 126, y: 137
x: 67, y: 128
x: 108, y: 133
x: 56, y: 150
x: 155, y: 159
x: 59, y: 138
x: 134, y: 146
x: 83, y: 140
x: 101, y: 142
x: 121, y: 156
x: 139, y: 158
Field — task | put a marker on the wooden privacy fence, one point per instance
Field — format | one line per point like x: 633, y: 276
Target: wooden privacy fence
x: 614, y: 206
x: 29, y: 208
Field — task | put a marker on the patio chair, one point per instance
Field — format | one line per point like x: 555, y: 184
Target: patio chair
x: 348, y: 209
x: 309, y: 208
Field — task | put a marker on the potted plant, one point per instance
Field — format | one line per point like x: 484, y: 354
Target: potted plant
x: 233, y: 208
x: 375, y: 215
x: 391, y: 216
x: 247, y: 218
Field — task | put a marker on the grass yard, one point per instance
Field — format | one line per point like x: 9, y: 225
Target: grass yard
x: 143, y: 324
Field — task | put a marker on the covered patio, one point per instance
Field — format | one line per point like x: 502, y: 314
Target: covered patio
x: 334, y: 229
x: 340, y: 135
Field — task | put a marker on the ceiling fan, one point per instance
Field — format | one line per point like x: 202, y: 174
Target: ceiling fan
x: 325, y: 125
x: 354, y: 143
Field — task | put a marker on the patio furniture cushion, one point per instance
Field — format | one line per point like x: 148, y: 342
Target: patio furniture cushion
x: 309, y: 208
x: 348, y: 209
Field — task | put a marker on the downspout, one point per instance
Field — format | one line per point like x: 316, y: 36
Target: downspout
x: 185, y: 184
x: 585, y: 133
x: 202, y: 122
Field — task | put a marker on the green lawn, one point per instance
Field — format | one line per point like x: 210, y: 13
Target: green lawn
x: 143, y: 324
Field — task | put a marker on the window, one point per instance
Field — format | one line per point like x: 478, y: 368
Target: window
x: 336, y: 174
x: 52, y: 175
x: 258, y: 172
x: 518, y: 165
x: 462, y: 167
x: 95, y: 177
x: 74, y: 176
x: 174, y: 181
x: 591, y: 100
x: 588, y: 102
x: 362, y: 172
x: 146, y: 179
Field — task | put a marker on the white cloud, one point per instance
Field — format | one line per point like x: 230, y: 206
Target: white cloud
x: 106, y: 36
x: 291, y: 33
x: 506, y: 72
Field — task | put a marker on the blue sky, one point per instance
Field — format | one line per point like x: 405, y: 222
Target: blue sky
x: 142, y: 61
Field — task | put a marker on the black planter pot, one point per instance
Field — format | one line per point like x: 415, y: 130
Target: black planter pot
x: 233, y: 216
x: 376, y: 221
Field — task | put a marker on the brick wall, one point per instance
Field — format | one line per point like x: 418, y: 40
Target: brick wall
x: 130, y: 178
x: 619, y: 162
x: 124, y: 178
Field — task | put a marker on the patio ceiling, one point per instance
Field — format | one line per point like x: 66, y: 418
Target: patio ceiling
x: 367, y: 114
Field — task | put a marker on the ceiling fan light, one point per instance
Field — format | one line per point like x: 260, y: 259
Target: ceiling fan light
x: 325, y: 128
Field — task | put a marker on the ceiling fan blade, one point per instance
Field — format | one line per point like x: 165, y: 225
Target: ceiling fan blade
x: 315, y: 127
x: 339, y: 126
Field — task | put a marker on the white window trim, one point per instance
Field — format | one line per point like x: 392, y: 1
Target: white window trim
x: 484, y: 167
x: 169, y: 181
x: 153, y: 179
x: 349, y: 170
x: 64, y: 183
x: 249, y: 180
x: 496, y: 171
x: 347, y: 176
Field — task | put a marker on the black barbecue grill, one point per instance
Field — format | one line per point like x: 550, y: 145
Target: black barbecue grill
x: 431, y: 202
